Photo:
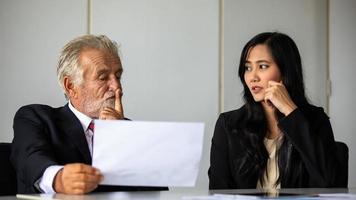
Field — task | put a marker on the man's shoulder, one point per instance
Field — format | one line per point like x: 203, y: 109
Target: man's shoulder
x: 37, y: 109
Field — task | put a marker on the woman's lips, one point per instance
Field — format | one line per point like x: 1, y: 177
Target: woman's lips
x: 256, y: 89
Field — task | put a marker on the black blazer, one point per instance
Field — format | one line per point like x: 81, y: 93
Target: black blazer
x: 45, y: 136
x: 311, y: 137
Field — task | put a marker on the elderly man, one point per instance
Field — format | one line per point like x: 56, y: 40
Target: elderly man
x: 52, y: 147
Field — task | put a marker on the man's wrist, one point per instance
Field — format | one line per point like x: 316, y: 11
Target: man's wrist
x: 57, y: 182
x: 47, y: 180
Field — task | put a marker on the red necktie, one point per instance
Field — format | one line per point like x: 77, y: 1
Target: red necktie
x: 91, y: 136
x: 91, y: 126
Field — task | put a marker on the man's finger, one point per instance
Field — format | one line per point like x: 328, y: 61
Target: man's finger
x: 81, y: 168
x: 88, y: 178
x: 110, y: 113
x: 118, y: 104
x: 86, y: 187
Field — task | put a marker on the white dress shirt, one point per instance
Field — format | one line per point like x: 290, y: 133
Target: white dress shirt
x: 46, y: 181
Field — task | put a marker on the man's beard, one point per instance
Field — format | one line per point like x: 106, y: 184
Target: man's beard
x: 110, y: 102
x: 93, y: 107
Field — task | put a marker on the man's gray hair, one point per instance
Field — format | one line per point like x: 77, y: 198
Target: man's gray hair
x: 68, y: 64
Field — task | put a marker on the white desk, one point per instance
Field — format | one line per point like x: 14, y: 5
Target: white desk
x: 176, y: 194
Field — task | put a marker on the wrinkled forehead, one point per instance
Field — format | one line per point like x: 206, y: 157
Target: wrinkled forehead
x: 99, y: 57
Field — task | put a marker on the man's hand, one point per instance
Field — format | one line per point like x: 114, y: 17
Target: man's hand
x: 77, y: 179
x: 114, y: 113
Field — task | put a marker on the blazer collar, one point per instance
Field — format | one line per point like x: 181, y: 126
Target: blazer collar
x: 74, y: 130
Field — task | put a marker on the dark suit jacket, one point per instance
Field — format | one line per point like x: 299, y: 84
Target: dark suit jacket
x: 311, y: 137
x: 45, y: 136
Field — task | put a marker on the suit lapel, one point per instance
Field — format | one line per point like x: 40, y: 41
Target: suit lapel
x: 74, y: 130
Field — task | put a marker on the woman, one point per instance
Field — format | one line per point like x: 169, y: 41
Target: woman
x: 277, y: 139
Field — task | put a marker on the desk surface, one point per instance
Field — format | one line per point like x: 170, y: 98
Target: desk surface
x: 177, y: 194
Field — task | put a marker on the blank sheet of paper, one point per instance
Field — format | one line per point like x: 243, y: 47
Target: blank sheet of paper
x: 139, y: 153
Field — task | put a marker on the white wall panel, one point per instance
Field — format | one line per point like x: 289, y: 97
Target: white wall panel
x: 170, y: 59
x: 32, y: 33
x: 342, y: 20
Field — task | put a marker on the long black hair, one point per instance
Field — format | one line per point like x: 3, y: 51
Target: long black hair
x: 286, y: 55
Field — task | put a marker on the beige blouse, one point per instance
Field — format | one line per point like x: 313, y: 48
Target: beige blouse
x: 271, y: 174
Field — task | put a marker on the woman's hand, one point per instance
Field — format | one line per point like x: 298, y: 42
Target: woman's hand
x: 277, y: 94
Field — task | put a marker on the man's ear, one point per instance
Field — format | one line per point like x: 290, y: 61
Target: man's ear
x: 69, y: 87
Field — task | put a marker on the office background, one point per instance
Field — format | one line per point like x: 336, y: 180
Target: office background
x: 180, y: 57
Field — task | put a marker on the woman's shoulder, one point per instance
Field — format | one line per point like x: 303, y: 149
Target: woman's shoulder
x: 312, y: 111
x: 235, y: 113
x: 233, y: 117
x: 314, y: 114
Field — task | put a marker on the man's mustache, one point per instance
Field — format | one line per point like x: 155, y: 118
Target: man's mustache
x: 109, y: 95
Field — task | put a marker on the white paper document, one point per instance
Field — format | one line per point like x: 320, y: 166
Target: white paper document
x: 139, y: 153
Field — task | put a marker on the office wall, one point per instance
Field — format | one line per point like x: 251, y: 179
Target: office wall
x: 342, y: 30
x: 31, y: 35
x: 170, y: 60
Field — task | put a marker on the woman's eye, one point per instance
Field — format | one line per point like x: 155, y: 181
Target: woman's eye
x: 247, y: 68
x: 263, y: 66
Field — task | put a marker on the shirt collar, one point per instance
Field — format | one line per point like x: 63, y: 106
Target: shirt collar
x: 84, y: 120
